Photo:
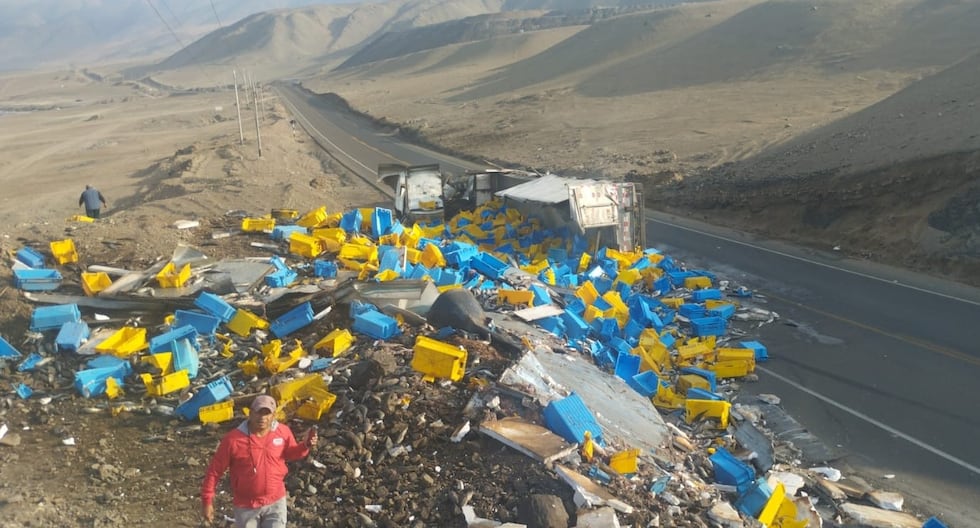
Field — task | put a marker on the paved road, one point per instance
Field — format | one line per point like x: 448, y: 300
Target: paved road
x: 879, y: 363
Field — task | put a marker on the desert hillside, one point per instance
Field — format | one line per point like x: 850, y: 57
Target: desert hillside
x: 700, y: 100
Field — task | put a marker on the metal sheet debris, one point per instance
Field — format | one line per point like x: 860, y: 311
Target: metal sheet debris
x: 531, y: 439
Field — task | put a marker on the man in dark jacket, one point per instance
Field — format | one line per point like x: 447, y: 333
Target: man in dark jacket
x: 255, y: 454
x: 92, y: 198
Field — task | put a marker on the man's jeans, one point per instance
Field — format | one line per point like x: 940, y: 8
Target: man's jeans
x: 270, y: 516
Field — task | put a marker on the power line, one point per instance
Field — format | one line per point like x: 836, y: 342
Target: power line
x: 170, y: 29
x: 215, y: 11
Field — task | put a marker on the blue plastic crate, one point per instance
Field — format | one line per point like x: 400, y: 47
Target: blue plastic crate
x: 389, y: 258
x: 205, y: 324
x: 381, y: 221
x: 282, y: 232
x: 214, y: 392
x: 215, y: 306
x: 692, y: 311
x: 30, y: 257
x: 695, y: 393
x: 725, y: 311
x: 677, y: 277
x: 552, y: 324
x: 325, y: 269
x: 754, y: 498
x: 164, y: 342
x: 319, y: 364
x: 23, y: 391
x: 292, y: 320
x: 37, y: 279
x: 351, y: 221
x: 541, y: 295
x: 459, y: 254
x: 7, y: 351
x: 488, y: 265
x: 281, y: 278
x: 51, y: 317
x: 569, y: 418
x: 708, y: 326
x: 645, y: 383
x: 706, y: 294
x: 104, y: 361
x: 29, y: 362
x: 557, y: 255
x: 575, y: 326
x: 92, y: 382
x: 761, y: 353
x: 627, y: 366
x: 375, y: 324
x: 934, y: 522
x: 732, y: 471
x: 185, y: 356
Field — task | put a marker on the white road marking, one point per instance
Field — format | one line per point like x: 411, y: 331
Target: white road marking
x: 816, y: 263
x: 885, y: 427
x: 324, y: 137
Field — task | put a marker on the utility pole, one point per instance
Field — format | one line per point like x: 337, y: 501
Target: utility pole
x: 258, y: 99
x: 245, y: 85
x: 258, y: 135
x: 238, y: 107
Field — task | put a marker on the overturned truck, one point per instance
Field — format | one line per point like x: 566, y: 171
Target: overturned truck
x: 610, y: 212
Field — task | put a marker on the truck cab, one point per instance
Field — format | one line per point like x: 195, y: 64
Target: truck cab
x: 418, y: 191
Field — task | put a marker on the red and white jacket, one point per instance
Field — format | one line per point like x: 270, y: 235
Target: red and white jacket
x: 257, y: 465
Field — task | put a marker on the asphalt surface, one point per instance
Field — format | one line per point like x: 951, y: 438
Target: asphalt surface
x: 880, y: 363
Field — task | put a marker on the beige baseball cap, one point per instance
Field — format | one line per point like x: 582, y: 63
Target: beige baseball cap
x: 263, y: 401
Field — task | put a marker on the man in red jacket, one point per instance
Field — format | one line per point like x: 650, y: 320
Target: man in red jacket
x: 255, y: 453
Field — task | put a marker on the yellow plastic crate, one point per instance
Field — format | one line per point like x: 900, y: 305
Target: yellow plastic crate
x: 217, y: 413
x: 313, y: 218
x: 625, y: 462
x: 432, y: 256
x: 698, y: 409
x: 735, y: 354
x: 171, y: 277
x: 297, y: 388
x: 317, y: 402
x: 336, y: 342
x: 734, y: 368
x: 666, y: 398
x: 305, y: 245
x: 64, y: 251
x: 686, y: 382
x: 694, y: 283
x: 655, y: 358
x: 587, y: 292
x: 93, y: 283
x: 436, y: 359
x: 284, y: 214
x: 124, y: 342
x: 516, y: 296
x: 112, y: 388
x: 781, y: 511
x: 351, y: 251
x: 166, y: 384
x: 244, y: 321
x: 672, y: 302
x: 688, y: 355
x: 387, y: 275
x: 258, y: 225
x: 629, y: 276
x: 164, y: 361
